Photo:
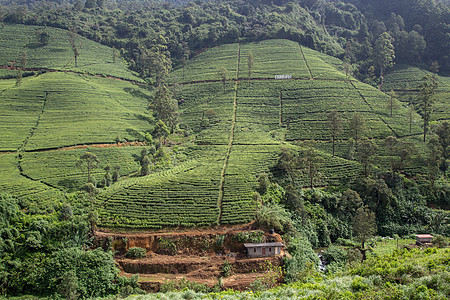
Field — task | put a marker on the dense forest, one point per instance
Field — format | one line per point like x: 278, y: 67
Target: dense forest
x: 354, y: 148
x: 418, y: 29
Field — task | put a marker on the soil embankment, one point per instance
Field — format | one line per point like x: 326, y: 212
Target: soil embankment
x: 198, y: 255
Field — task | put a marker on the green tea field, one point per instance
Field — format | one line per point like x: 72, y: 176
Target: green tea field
x: 233, y: 130
x: 57, y: 53
x: 405, y: 81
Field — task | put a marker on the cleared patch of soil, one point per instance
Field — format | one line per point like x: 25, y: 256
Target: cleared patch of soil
x: 195, y: 256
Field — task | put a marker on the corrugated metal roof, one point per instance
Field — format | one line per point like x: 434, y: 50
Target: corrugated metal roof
x: 424, y: 236
x: 252, y: 245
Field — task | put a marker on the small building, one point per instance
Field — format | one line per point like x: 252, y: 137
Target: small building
x: 423, y: 239
x: 263, y: 249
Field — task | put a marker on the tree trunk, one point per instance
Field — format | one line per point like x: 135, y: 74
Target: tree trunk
x: 363, y: 253
x: 333, y: 144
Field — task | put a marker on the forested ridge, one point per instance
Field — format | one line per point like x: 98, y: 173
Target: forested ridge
x: 419, y: 28
x: 325, y: 121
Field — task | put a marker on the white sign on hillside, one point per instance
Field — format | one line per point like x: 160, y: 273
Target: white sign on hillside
x: 283, y: 76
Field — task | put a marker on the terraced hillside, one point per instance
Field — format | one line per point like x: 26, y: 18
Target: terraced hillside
x: 57, y: 53
x: 235, y: 130
x: 243, y: 123
x: 405, y: 80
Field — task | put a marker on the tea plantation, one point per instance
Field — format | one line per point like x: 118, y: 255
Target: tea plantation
x: 57, y: 53
x: 233, y: 129
x: 405, y: 81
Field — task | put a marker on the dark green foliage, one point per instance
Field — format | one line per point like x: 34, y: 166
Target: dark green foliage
x: 335, y: 256
x: 364, y: 225
x: 46, y: 254
x: 66, y: 212
x: 94, y: 271
x: 226, y: 269
x: 69, y: 285
x: 136, y: 252
x: 443, y: 133
x: 426, y: 98
x: 43, y: 37
x: 88, y: 161
x: 250, y: 236
x: 274, y: 216
x: 302, y: 255
x: 335, y: 123
x: 166, y: 107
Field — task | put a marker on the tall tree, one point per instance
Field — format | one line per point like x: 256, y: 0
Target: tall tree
x: 19, y: 76
x: 88, y: 161
x: 348, y: 69
x: 434, y: 67
x: 336, y: 125
x: 223, y: 73
x: 166, y: 106
x: 289, y: 163
x: 400, y: 152
x: 161, y: 130
x: 426, y: 98
x: 76, y: 49
x: 23, y: 60
x: 392, y: 101
x: 411, y: 116
x: 114, y: 54
x: 155, y: 61
x: 443, y: 133
x: 364, y: 226
x: 310, y: 161
x: 116, y: 173
x: 250, y: 61
x: 145, y: 162
x: 383, y: 54
x: 357, y: 127
x: 434, y: 160
x: 107, y: 178
x: 366, y: 153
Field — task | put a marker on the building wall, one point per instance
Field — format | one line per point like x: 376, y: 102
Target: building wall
x: 263, y: 251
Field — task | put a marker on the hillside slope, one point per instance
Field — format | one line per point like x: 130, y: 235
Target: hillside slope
x: 240, y: 126
x: 57, y: 53
x: 205, y: 175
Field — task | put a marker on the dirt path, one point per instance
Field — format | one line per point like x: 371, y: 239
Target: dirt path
x: 73, y: 72
x: 104, y: 232
x: 230, y: 143
x: 84, y: 146
x: 306, y: 63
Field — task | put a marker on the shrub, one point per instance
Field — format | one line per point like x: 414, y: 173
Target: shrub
x: 302, y: 254
x: 335, y: 256
x: 226, y: 269
x: 136, y: 252
x: 250, y: 236
x: 347, y: 242
x: 358, y: 284
x: 167, y: 246
x: 94, y: 272
x: 219, y: 241
x: 440, y: 241
x: 183, y: 284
